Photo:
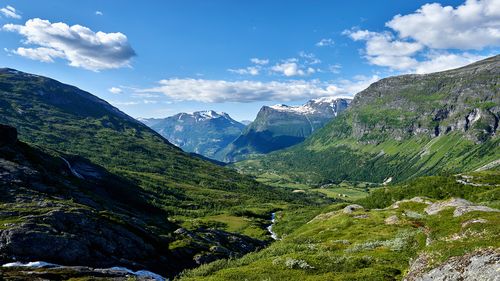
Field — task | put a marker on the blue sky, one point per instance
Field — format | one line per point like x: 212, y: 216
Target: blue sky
x: 158, y: 58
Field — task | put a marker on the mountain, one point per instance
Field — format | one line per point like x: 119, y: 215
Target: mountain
x: 201, y: 132
x: 280, y: 126
x: 402, y: 127
x: 81, y: 158
x: 246, y: 122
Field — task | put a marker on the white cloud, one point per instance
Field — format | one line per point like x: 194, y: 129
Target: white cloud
x: 335, y: 68
x: 251, y: 70
x: 295, y: 67
x: 288, y: 69
x: 99, y: 13
x: 115, y: 90
x: 219, y: 91
x: 259, y: 61
x: 325, y: 42
x: 81, y: 46
x: 443, y: 61
x: 10, y: 12
x: 430, y: 39
x: 472, y: 25
x: 309, y: 58
x: 39, y: 54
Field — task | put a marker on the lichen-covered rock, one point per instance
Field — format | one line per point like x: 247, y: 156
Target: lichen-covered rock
x: 352, y: 208
x: 439, y: 206
x: 392, y: 220
x: 396, y: 205
x: 461, y: 206
x: 479, y: 265
x: 466, y: 209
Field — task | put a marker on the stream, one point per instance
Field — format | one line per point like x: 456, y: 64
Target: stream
x: 270, y: 227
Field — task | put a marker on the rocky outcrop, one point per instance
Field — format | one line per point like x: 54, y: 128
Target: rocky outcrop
x: 352, y: 208
x: 461, y: 206
x: 479, y: 265
x: 464, y: 100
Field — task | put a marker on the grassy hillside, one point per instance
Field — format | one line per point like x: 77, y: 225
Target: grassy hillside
x: 401, y: 127
x: 372, y: 244
x: 193, y: 194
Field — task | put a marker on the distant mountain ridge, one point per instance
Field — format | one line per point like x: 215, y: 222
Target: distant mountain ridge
x: 403, y: 127
x: 202, y: 132
x: 280, y: 126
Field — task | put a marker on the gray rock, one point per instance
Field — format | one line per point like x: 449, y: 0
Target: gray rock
x: 439, y: 206
x: 351, y: 208
x: 392, y: 220
x: 479, y: 265
x: 466, y: 209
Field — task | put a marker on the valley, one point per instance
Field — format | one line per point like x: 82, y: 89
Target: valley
x: 401, y: 182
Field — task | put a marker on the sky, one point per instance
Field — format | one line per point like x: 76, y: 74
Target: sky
x: 160, y: 57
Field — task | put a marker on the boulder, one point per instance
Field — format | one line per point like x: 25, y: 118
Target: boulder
x: 351, y: 208
x: 439, y: 206
x: 392, y: 220
x: 479, y: 265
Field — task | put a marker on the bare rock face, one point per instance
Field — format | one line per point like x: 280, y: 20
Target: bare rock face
x: 8, y: 135
x: 479, y: 265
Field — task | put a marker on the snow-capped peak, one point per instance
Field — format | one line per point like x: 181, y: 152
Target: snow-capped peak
x: 310, y: 107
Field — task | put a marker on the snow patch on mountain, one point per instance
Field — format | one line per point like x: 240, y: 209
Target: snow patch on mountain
x: 311, y: 107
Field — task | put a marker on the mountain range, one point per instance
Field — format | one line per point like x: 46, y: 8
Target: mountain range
x: 201, y: 132
x: 281, y: 126
x: 217, y: 136
x: 399, y: 128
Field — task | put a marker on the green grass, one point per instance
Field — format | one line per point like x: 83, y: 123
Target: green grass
x: 361, y: 246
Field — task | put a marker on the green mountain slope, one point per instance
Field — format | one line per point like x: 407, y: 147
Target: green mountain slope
x: 193, y: 194
x: 402, y: 127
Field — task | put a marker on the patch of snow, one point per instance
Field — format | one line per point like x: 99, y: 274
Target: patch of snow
x: 33, y: 264
x: 387, y: 181
x: 310, y: 107
x: 42, y: 264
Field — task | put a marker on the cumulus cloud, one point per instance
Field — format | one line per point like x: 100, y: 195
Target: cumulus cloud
x: 325, y: 42
x: 295, y: 67
x: 10, y: 12
x: 219, y: 91
x: 115, y: 90
x: 472, y: 25
x: 433, y: 38
x: 77, y: 44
